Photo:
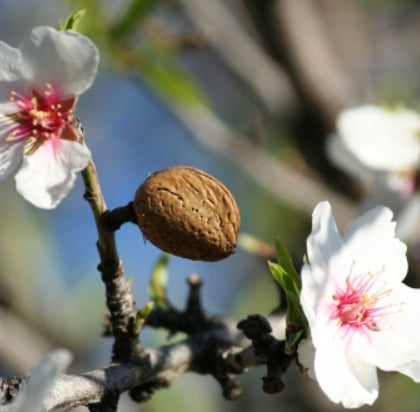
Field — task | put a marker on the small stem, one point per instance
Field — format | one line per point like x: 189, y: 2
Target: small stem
x: 93, y: 192
x: 119, y: 299
x: 110, y: 261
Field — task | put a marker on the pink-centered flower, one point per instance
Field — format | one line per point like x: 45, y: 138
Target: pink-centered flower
x: 361, y: 316
x: 39, y: 85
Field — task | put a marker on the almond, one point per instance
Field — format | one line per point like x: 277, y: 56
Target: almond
x: 186, y: 212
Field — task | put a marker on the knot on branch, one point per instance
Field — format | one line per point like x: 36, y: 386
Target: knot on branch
x: 121, y: 320
x: 205, y: 332
x: 212, y: 360
x: 109, y: 402
x: 9, y: 388
x: 144, y: 392
x: 268, y: 350
x: 113, y: 219
x: 191, y: 320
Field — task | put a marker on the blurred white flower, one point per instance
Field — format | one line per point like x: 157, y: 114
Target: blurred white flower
x: 360, y: 314
x: 374, y: 142
x: 31, y: 397
x: 39, y: 85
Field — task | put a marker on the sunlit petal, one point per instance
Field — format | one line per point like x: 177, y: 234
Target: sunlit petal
x: 47, y: 175
x: 62, y: 58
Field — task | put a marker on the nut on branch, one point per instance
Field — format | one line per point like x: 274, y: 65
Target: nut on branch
x: 186, y: 212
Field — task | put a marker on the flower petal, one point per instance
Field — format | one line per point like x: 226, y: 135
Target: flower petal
x: 11, y: 153
x: 10, y: 63
x: 380, y: 138
x: 396, y: 346
x: 345, y: 159
x: 47, y: 175
x: 343, y: 375
x: 10, y: 74
x: 371, y: 241
x: 63, y: 58
x: 329, y: 262
x: 306, y: 356
x: 31, y: 397
x: 324, y: 245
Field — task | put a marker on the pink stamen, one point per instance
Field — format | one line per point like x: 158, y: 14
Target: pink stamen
x: 360, y: 306
x: 41, y: 115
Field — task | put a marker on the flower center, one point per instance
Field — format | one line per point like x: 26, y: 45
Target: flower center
x: 41, y: 116
x: 363, y: 303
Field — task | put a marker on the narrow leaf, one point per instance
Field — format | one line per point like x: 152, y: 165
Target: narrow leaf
x: 159, y: 281
x: 142, y: 315
x: 288, y: 278
x: 72, y: 20
x: 285, y: 261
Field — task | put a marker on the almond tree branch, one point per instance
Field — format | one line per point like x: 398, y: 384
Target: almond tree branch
x: 120, y: 303
x: 119, y: 299
x: 229, y: 354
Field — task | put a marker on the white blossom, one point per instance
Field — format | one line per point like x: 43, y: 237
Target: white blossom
x: 378, y: 144
x: 361, y: 316
x: 39, y: 85
x: 31, y: 397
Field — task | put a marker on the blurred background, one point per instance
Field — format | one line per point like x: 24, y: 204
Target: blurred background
x: 248, y: 91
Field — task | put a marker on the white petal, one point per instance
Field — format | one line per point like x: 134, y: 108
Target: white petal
x: 306, y: 356
x: 10, y: 75
x: 63, y: 58
x: 380, y: 138
x: 30, y: 398
x: 329, y: 262
x: 396, y: 347
x: 345, y: 159
x: 47, y: 175
x: 411, y: 369
x: 325, y: 246
x: 11, y: 153
x: 371, y: 242
x: 10, y: 63
x: 343, y: 375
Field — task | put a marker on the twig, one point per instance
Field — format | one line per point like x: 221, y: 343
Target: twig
x: 166, y: 364
x: 119, y: 299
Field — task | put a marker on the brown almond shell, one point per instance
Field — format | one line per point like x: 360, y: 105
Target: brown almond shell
x: 187, y: 212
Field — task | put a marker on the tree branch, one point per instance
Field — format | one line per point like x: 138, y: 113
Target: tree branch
x: 165, y: 364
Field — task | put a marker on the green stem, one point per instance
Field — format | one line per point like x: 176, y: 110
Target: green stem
x: 119, y: 299
x: 110, y: 261
x: 93, y: 192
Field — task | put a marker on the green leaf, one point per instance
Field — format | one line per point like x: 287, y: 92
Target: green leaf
x: 141, y: 316
x: 291, y: 289
x: 72, y: 20
x: 288, y: 278
x: 285, y: 261
x: 159, y: 281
